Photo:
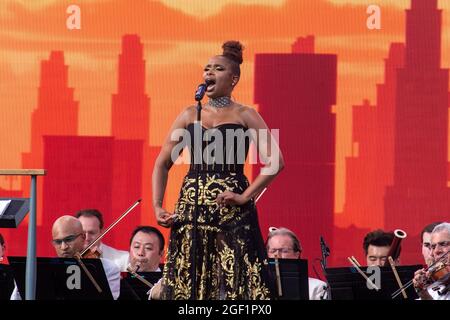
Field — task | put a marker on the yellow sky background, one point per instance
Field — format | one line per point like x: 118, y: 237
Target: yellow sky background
x: 178, y: 38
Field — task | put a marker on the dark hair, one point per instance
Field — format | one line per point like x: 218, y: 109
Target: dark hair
x: 428, y: 229
x: 378, y: 238
x: 2, y: 241
x: 232, y: 50
x: 91, y: 213
x: 149, y: 230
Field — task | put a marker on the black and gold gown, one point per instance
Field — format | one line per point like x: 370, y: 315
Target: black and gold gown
x: 230, y: 257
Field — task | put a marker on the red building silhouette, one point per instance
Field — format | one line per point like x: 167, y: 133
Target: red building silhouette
x: 419, y: 194
x: 130, y: 115
x: 130, y: 106
x: 304, y: 45
x: 56, y: 114
x: 106, y: 173
x: 295, y: 93
x: 91, y: 172
x: 370, y: 168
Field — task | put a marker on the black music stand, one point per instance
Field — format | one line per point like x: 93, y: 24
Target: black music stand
x: 6, y: 282
x: 131, y: 287
x: 15, y: 212
x: 53, y: 276
x: 347, y: 284
x: 294, y: 278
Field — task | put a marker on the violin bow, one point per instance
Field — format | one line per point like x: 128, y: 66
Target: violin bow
x: 110, y: 227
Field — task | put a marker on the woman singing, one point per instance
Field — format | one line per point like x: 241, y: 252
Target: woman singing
x: 229, y: 257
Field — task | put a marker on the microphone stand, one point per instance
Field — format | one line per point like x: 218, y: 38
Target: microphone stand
x: 197, y: 155
x: 325, y: 253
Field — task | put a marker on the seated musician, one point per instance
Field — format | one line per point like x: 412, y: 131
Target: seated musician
x: 425, y: 282
x: 283, y: 243
x: 68, y: 239
x: 2, y: 248
x: 92, y: 222
x: 376, y: 247
x: 146, y: 249
x: 425, y: 237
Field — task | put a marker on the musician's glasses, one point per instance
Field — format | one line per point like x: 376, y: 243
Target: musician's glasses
x: 67, y: 240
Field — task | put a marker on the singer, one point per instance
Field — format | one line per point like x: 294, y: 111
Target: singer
x: 229, y: 255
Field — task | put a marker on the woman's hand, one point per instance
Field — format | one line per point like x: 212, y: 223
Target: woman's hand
x: 164, y: 218
x: 231, y: 198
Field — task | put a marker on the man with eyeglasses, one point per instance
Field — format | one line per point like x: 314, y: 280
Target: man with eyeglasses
x: 440, y: 247
x: 68, y: 239
x: 283, y: 243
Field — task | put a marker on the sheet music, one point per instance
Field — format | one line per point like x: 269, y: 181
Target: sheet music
x: 4, y: 205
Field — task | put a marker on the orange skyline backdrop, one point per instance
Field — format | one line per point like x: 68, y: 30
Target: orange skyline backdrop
x: 178, y: 40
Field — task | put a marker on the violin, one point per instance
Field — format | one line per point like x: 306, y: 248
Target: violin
x: 440, y: 276
x: 437, y: 273
x: 440, y: 272
x: 91, y: 252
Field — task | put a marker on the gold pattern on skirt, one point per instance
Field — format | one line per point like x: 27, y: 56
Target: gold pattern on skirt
x: 228, y: 261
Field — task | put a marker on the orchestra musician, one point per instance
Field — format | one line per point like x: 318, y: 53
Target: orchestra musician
x: 92, y: 222
x: 425, y: 237
x: 425, y: 282
x: 146, y: 249
x: 283, y: 243
x: 68, y: 239
x: 377, y: 245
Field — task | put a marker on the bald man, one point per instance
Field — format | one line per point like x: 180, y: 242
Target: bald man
x: 68, y: 239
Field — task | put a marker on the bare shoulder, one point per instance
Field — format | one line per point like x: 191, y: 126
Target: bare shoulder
x: 250, y: 116
x: 187, y: 116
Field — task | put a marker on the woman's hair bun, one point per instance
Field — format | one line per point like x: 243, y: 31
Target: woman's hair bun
x: 233, y: 50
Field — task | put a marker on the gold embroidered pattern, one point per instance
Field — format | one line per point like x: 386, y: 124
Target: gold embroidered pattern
x: 227, y: 260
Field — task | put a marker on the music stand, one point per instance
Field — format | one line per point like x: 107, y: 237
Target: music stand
x: 347, y: 284
x: 294, y: 278
x: 55, y: 275
x: 15, y: 212
x: 131, y: 283
x: 31, y: 241
x: 6, y: 282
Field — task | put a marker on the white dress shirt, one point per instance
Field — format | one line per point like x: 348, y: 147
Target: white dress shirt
x: 119, y: 257
x: 317, y: 289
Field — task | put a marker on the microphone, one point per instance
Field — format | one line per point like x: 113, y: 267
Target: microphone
x: 201, y: 90
x: 325, y: 252
x: 325, y: 248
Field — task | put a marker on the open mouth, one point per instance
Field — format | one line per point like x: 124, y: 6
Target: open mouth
x: 211, y: 83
